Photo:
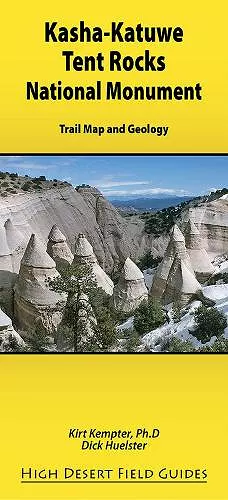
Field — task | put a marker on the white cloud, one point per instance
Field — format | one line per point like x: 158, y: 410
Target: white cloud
x: 23, y: 165
x: 120, y: 183
x: 144, y: 192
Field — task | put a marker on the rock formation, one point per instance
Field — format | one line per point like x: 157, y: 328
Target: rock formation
x: 200, y: 261
x: 5, y: 252
x: 35, y: 303
x: 7, y: 276
x: 112, y: 238
x: 77, y: 211
x: 10, y: 340
x: 175, y: 278
x: 176, y: 246
x: 182, y: 284
x: 84, y: 255
x: 16, y: 243
x: 58, y: 249
x: 119, y: 238
x: 130, y: 290
x: 211, y: 219
x: 14, y: 237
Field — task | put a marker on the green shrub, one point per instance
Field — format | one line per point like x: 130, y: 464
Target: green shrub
x: 132, y: 339
x: 5, y: 184
x: 177, y: 310
x: 220, y: 345
x: 148, y: 316
x: 37, y: 181
x: 26, y: 186
x: 175, y: 345
x: 116, y: 272
x: 13, y: 345
x: 217, y: 277
x: 38, y: 340
x: 148, y: 261
x: 2, y: 175
x: 162, y: 221
x: 81, y: 186
x: 209, y: 323
x: 214, y: 195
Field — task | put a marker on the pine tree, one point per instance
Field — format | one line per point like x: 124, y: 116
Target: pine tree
x: 106, y: 318
x: 76, y: 281
x: 148, y: 316
x: 176, y: 310
x: 87, y: 324
x: 209, y: 323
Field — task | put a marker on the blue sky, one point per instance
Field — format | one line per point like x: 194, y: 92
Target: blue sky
x: 129, y: 176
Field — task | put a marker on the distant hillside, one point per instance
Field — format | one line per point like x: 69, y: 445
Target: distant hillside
x: 149, y: 204
x: 12, y: 183
x: 160, y: 223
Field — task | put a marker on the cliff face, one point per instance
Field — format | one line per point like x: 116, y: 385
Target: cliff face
x: 211, y: 220
x: 84, y: 211
x: 113, y: 237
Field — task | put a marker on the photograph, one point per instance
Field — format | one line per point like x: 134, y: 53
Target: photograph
x: 113, y: 254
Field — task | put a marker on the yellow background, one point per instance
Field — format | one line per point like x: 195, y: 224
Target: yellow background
x: 32, y: 126
x: 183, y: 395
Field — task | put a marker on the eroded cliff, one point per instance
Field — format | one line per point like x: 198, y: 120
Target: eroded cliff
x: 83, y: 211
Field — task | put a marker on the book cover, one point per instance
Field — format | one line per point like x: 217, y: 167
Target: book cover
x: 113, y: 251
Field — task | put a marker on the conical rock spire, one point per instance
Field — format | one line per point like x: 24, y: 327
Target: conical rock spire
x: 130, y: 290
x: 176, y: 246
x: 84, y: 255
x: 55, y: 235
x: 131, y: 271
x: 177, y: 235
x: 83, y: 250
x: 200, y: 261
x: 34, y: 300
x: 58, y: 249
x: 181, y: 284
x: 36, y: 256
x: 4, y: 247
x: 14, y: 237
x: 7, y: 276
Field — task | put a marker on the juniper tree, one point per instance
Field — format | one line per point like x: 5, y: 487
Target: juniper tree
x: 209, y: 323
x: 148, y: 316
